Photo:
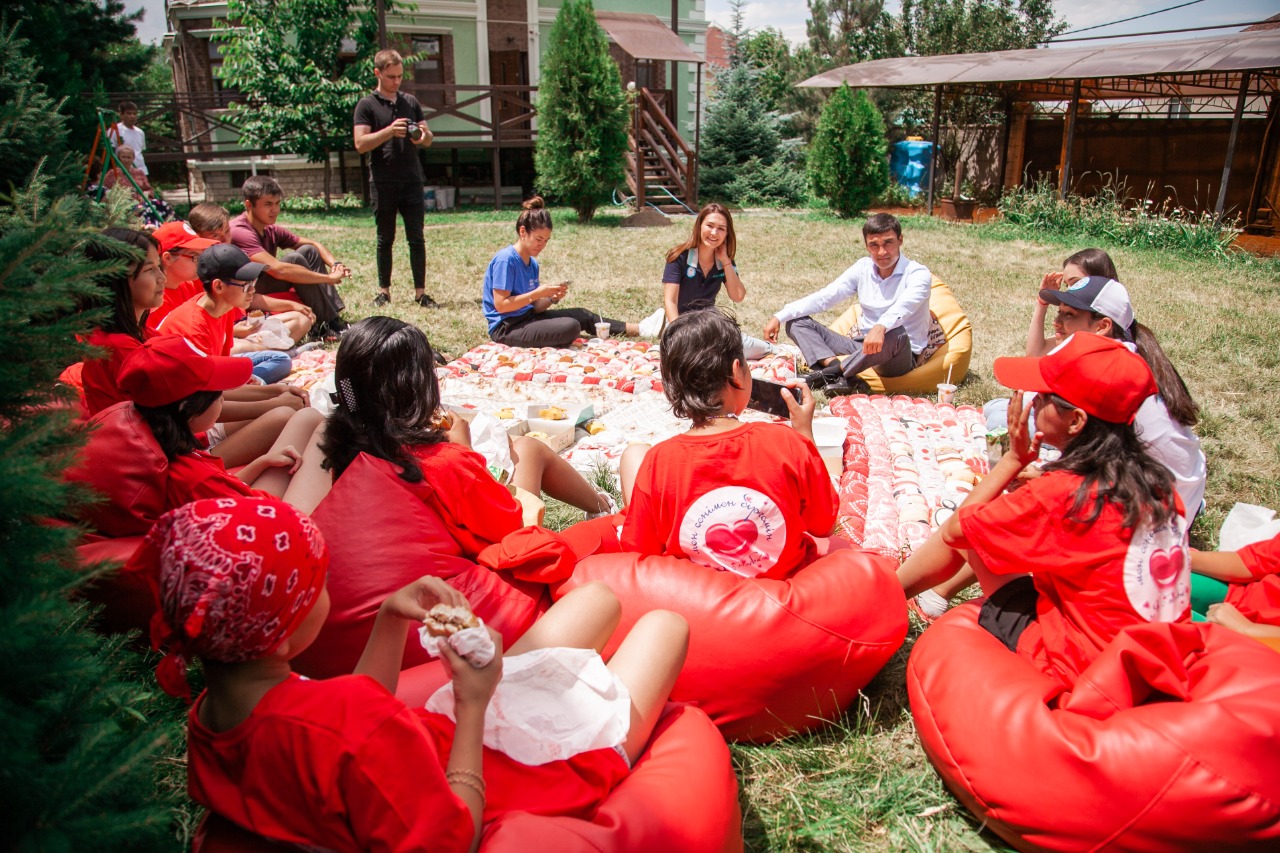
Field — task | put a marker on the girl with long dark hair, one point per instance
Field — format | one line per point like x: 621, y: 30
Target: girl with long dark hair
x: 1102, y: 532
x: 389, y: 407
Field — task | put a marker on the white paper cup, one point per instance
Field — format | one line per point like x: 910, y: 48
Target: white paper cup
x: 946, y: 393
x: 602, y: 330
x: 829, y: 435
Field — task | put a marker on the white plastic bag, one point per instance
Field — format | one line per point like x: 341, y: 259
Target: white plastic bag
x: 1246, y: 524
x: 489, y: 438
x: 550, y: 705
x: 272, y: 334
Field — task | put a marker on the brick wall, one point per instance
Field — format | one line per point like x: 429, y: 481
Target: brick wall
x: 218, y: 185
x: 508, y: 36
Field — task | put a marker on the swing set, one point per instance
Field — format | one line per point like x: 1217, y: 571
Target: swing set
x: 102, y: 139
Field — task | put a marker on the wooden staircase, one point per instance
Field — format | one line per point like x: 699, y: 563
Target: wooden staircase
x: 659, y: 161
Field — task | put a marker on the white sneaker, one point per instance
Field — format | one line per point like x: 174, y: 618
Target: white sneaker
x: 651, y: 326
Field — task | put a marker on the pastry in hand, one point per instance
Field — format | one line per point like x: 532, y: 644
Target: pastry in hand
x: 444, y: 620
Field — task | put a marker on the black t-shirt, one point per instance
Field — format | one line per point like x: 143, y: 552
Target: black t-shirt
x: 397, y: 158
x: 694, y: 286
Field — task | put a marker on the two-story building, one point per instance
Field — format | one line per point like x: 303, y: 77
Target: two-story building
x: 476, y: 71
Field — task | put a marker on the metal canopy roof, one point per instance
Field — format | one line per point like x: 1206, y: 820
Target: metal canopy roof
x: 645, y: 37
x: 1183, y: 68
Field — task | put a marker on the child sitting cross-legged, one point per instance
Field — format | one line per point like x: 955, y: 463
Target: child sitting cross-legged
x: 341, y: 764
x: 1102, y: 534
x: 743, y: 497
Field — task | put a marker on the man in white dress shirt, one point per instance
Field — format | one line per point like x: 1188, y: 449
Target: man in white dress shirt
x: 893, y: 326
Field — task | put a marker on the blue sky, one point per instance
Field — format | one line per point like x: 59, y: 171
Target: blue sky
x: 790, y: 15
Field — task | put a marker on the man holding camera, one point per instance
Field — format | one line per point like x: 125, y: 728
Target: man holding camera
x: 389, y: 128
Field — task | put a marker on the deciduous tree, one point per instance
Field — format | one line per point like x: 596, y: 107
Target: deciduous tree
x: 292, y: 61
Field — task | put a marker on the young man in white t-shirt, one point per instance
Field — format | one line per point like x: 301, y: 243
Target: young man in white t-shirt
x: 127, y: 132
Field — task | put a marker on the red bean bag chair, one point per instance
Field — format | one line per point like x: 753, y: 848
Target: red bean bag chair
x: 124, y: 466
x: 1170, y: 740
x: 381, y: 537
x: 122, y: 462
x: 766, y: 657
x: 681, y: 797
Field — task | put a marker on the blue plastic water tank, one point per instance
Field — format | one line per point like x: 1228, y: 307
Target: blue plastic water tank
x: 909, y: 164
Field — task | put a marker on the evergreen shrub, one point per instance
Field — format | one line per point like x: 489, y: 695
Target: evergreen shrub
x: 849, y: 157
x: 582, y: 114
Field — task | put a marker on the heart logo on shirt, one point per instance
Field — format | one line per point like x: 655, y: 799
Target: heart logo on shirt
x: 732, y: 539
x: 1167, y: 565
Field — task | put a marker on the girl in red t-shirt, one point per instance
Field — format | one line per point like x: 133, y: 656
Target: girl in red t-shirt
x: 132, y: 294
x: 1239, y: 589
x: 389, y: 407
x: 177, y: 390
x: 341, y: 764
x: 1102, y: 532
x: 745, y: 498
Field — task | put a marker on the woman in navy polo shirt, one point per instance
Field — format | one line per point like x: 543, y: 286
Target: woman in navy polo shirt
x: 700, y: 266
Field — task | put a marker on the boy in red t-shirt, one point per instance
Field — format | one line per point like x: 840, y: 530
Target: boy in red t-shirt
x: 209, y: 319
x: 1102, y: 533
x: 1246, y: 595
x: 744, y: 498
x: 340, y: 763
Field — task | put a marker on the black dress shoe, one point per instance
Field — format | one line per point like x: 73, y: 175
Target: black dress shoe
x: 818, y: 379
x: 425, y: 301
x: 836, y: 387
x: 381, y: 299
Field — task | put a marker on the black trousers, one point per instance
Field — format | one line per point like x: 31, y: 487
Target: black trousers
x: 323, y: 299
x: 403, y: 198
x: 552, y: 328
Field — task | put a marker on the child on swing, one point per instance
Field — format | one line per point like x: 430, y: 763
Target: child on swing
x: 341, y: 764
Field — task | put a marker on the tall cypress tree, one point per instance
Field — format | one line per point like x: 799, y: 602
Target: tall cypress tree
x: 78, y: 736
x: 848, y: 161
x: 582, y: 113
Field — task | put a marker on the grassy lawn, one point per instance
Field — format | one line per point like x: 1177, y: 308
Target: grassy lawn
x: 865, y: 784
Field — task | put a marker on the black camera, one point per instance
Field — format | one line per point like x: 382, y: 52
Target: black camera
x: 414, y: 130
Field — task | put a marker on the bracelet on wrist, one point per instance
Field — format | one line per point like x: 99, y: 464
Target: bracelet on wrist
x: 453, y: 779
x: 473, y: 774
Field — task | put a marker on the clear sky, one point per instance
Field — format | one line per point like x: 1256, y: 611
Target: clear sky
x: 790, y: 15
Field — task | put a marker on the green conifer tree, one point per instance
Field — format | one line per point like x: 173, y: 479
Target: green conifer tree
x: 582, y: 113
x: 32, y: 126
x: 848, y: 161
x: 742, y: 157
x: 79, y: 737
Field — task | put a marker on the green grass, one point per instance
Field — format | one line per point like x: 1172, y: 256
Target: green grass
x: 865, y: 784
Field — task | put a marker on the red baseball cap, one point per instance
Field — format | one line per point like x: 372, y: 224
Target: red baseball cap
x: 168, y: 368
x: 174, y: 235
x: 1097, y: 374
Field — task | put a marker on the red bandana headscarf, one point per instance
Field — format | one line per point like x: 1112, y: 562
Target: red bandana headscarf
x: 236, y: 577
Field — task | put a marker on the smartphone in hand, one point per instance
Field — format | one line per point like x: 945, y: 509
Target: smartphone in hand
x: 767, y: 397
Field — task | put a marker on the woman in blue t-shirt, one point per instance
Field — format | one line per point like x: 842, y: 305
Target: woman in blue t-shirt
x: 697, y: 269
x: 517, y: 305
